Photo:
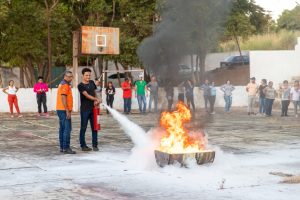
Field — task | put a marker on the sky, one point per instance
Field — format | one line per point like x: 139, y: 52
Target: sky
x: 277, y: 6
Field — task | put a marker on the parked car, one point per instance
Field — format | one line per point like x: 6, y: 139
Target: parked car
x: 235, y: 60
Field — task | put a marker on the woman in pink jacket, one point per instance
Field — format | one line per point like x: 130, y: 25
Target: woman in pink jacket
x: 40, y: 88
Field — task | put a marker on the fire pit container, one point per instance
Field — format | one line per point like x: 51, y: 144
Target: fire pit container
x: 202, y: 157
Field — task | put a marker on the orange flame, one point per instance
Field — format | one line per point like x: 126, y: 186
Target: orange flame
x: 177, y: 138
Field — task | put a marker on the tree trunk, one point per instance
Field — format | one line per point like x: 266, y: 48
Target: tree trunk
x: 197, y: 70
x: 1, y: 81
x: 237, y: 43
x: 192, y: 68
x: 49, y: 46
x: 22, y: 83
x: 118, y: 73
x: 106, y: 68
x: 100, y: 68
x: 202, y: 67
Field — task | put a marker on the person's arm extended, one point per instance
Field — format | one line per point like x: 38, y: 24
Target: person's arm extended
x: 90, y: 97
x: 17, y: 89
x: 65, y: 104
x: 4, y: 90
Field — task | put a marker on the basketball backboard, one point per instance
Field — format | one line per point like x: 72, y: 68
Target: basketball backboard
x: 99, y: 40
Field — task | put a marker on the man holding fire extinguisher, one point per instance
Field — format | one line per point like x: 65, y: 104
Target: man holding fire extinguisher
x: 88, y: 100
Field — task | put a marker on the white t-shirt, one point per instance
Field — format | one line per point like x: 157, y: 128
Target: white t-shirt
x: 12, y: 90
x: 295, y: 94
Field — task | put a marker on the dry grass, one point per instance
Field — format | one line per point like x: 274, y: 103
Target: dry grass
x: 284, y: 40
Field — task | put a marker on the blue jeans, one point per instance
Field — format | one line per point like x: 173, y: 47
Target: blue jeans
x: 269, y: 106
x: 65, y: 127
x: 262, y: 105
x: 228, y: 103
x: 127, y: 105
x: 142, y: 103
x: 87, y: 116
x: 155, y: 99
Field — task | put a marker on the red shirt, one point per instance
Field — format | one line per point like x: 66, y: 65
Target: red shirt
x: 126, y: 91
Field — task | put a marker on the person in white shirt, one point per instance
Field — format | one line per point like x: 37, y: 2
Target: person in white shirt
x: 295, y: 97
x: 11, y: 91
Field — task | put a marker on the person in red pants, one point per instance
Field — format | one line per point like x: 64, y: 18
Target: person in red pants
x: 11, y: 91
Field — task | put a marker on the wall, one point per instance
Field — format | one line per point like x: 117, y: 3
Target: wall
x: 275, y: 66
x: 27, y: 99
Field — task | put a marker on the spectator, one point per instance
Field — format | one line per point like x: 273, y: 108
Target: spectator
x: 212, y: 97
x: 227, y: 89
x: 40, y: 88
x: 12, y: 98
x: 169, y: 94
x: 295, y: 97
x: 181, y: 92
x: 110, y: 93
x: 99, y: 88
x: 127, y: 95
x: 206, y: 93
x: 140, y: 93
x: 252, y: 90
x: 88, y: 100
x: 285, y: 98
x: 64, y: 107
x: 189, y: 93
x: 270, y: 94
x: 262, y: 97
x: 153, y: 88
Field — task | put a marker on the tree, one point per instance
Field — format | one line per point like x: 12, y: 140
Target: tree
x: 290, y: 19
x: 246, y: 18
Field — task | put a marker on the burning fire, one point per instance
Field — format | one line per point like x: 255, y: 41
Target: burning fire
x: 177, y: 138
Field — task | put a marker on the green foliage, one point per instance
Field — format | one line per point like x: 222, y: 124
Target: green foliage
x: 247, y: 18
x: 290, y: 19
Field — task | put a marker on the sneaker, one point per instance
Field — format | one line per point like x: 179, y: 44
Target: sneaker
x: 19, y: 116
x: 46, y: 114
x: 69, y: 151
x: 249, y: 113
x: 38, y: 115
x: 95, y: 149
x: 212, y: 113
x: 86, y: 148
x: 12, y: 116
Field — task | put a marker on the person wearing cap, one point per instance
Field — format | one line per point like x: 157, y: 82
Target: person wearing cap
x: 252, y: 89
x: 127, y: 94
x: 140, y: 93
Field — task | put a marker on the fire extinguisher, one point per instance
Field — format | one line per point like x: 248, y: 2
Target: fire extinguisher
x: 96, y: 116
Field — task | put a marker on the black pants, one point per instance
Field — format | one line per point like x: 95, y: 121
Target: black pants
x: 206, y: 100
x: 41, y: 99
x: 212, y: 100
x: 110, y: 101
x: 284, y: 107
x: 269, y: 106
x: 190, y: 100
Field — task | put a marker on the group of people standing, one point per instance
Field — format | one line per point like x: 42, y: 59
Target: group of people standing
x: 267, y: 95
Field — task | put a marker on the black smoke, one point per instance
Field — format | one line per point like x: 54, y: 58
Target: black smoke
x: 185, y: 27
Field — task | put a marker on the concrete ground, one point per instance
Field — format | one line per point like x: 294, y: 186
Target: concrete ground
x: 248, y: 151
